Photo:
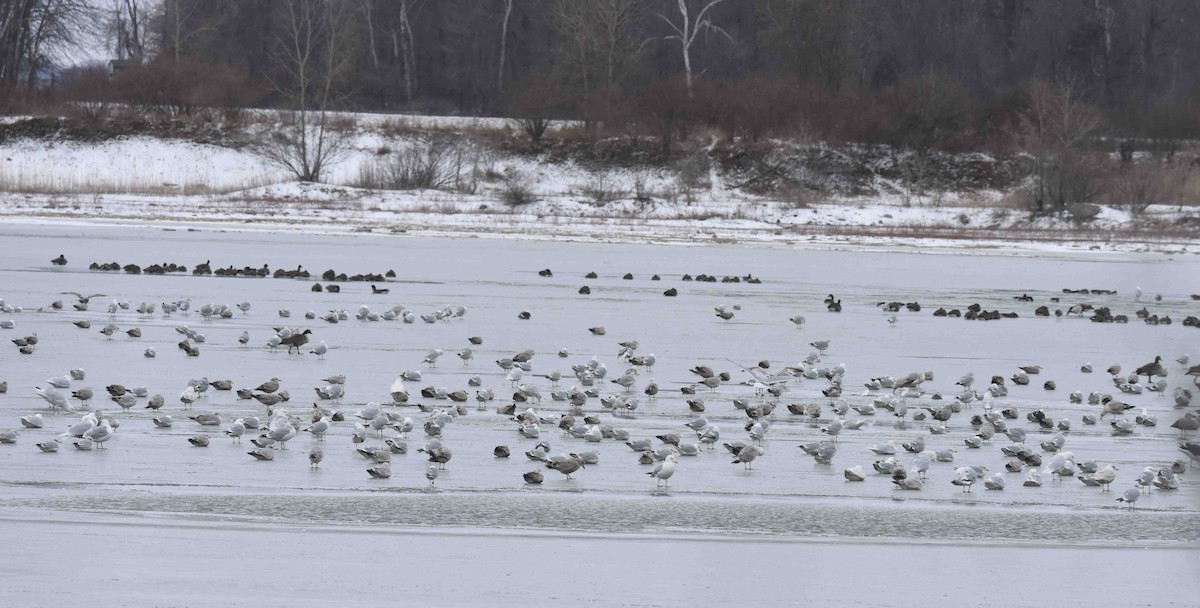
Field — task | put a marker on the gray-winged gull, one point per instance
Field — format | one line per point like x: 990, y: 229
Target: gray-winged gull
x: 1130, y: 496
x: 664, y: 470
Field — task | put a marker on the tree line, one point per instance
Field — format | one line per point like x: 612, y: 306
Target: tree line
x: 1042, y: 76
x: 465, y: 56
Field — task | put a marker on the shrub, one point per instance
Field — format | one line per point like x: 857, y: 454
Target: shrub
x: 601, y: 189
x: 516, y: 188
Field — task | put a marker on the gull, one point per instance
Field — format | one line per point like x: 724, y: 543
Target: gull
x: 332, y: 392
x: 626, y: 381
x: 798, y: 320
x: 1104, y: 476
x: 213, y: 419
x: 162, y: 421
x: 315, y: 456
x: 747, y: 455
x: 833, y: 429
x: 319, y: 428
x: 1146, y: 478
x: 995, y: 481
x: 965, y: 477
x: 432, y: 474
x: 236, y: 430
x: 57, y: 400
x: 32, y: 421
x: 100, y: 434
x: 1190, y: 421
x: 263, y: 453
x: 126, y: 401
x: 432, y: 357
x: 566, y: 464
x: 189, y: 396
x: 49, y: 446
x: 1115, y: 408
x: 1034, y: 479
x: 664, y: 470
x: 533, y: 477
x: 82, y: 298
x: 1131, y: 496
x: 908, y: 483
x: 855, y: 473
x: 201, y: 440
x: 319, y: 350
x: 921, y: 464
x: 1166, y: 480
x: 8, y: 436
x: 709, y: 435
x: 627, y: 348
x: 376, y: 453
x: 63, y: 381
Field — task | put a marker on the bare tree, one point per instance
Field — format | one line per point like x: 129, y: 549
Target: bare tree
x: 404, y: 46
x: 315, y: 58
x: 181, y: 25
x: 1052, y: 129
x: 33, y: 32
x: 599, y: 38
x: 508, y: 6
x: 686, y: 31
x: 128, y: 30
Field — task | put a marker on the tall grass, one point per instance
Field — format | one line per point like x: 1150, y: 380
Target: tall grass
x: 115, y: 182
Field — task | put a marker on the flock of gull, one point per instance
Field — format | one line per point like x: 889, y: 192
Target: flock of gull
x: 587, y: 403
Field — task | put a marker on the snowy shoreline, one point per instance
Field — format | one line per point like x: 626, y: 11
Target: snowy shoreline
x: 144, y: 180
x: 362, y: 218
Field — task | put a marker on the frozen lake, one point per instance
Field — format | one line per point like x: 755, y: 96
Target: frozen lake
x: 150, y: 488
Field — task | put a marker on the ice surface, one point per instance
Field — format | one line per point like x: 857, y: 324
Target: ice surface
x: 150, y: 488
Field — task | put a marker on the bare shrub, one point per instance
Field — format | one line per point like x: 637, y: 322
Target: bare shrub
x: 517, y: 188
x: 534, y: 104
x: 691, y: 174
x: 799, y: 197
x: 1136, y: 186
x: 306, y: 143
x: 437, y: 164
x: 602, y: 189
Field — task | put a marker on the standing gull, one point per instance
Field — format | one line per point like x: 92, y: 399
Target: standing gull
x: 664, y: 470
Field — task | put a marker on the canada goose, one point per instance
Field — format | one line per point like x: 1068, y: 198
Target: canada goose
x: 61, y: 260
x: 380, y: 291
x: 834, y: 306
x: 1150, y: 370
x: 296, y: 340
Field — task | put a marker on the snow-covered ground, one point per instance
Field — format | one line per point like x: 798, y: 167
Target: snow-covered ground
x: 148, y: 179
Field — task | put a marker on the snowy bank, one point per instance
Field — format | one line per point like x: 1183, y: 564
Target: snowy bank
x: 148, y: 179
